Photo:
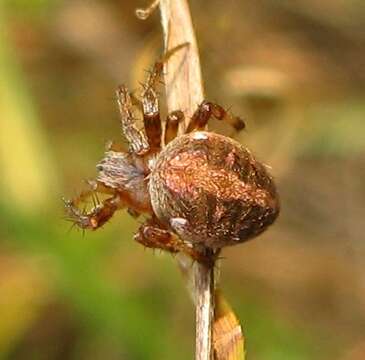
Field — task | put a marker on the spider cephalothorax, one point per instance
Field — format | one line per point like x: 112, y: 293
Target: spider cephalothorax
x: 200, y: 190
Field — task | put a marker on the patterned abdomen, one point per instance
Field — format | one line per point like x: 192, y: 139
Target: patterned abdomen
x: 211, y: 191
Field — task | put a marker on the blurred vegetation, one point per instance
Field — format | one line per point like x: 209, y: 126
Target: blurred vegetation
x: 294, y: 69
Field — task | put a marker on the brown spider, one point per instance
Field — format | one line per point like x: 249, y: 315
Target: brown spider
x: 201, y: 191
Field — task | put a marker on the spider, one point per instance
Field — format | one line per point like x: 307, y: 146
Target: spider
x: 200, y: 191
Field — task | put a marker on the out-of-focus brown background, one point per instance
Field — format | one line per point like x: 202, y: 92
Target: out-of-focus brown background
x: 293, y: 69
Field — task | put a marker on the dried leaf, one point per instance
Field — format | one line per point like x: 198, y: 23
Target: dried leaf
x: 228, y: 339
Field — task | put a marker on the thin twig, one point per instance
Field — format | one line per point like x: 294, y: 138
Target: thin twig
x: 204, y: 294
x: 184, y: 86
x: 184, y: 91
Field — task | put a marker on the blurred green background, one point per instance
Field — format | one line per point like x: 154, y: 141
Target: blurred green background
x: 293, y: 69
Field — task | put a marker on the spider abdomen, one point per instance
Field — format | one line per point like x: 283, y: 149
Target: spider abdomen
x: 211, y: 191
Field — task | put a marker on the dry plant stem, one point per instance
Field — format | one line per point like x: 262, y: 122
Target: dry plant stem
x: 204, y: 294
x: 184, y: 90
x: 184, y: 87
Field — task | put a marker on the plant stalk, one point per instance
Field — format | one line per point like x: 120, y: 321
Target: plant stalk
x: 184, y: 91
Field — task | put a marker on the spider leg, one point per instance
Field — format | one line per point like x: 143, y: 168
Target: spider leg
x: 206, y: 110
x: 99, y: 214
x: 154, y: 76
x: 150, y: 101
x: 172, y: 125
x: 138, y: 142
x: 151, y: 108
x: 152, y: 235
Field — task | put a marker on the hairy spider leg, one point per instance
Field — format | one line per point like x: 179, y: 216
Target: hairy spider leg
x: 100, y: 213
x: 152, y: 235
x: 142, y: 142
x: 151, y: 108
x: 206, y: 110
x: 172, y: 125
x: 150, y: 101
x: 136, y: 138
x: 151, y: 117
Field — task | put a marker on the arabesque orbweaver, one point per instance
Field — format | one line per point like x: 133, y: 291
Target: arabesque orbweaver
x: 201, y: 191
